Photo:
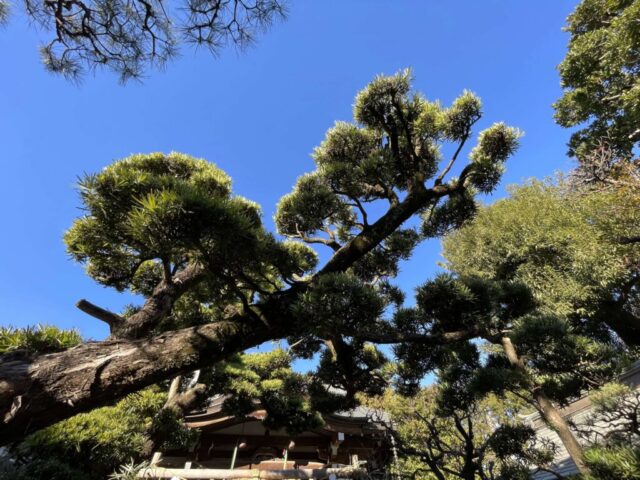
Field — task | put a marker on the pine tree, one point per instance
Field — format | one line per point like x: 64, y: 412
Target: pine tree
x: 216, y: 282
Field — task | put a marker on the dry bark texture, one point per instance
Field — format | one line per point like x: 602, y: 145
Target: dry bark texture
x: 37, y: 392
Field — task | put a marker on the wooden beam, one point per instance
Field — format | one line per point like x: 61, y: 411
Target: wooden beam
x: 223, y: 455
x: 223, y: 440
x: 210, y: 473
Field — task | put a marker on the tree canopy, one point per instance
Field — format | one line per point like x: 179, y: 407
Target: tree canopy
x: 524, y: 313
x: 540, y: 304
x: 485, y: 439
x: 600, y: 77
x: 569, y: 247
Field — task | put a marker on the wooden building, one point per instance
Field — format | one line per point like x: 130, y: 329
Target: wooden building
x: 347, y: 439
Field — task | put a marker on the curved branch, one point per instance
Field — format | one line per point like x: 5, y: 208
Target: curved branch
x: 160, y: 302
x: 367, y: 240
x: 329, y: 242
x: 455, y: 155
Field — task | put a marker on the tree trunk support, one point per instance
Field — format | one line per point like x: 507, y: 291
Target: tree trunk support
x: 549, y: 413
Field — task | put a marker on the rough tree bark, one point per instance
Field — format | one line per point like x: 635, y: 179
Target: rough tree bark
x: 35, y: 393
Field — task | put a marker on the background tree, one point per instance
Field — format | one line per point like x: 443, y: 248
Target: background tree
x: 600, y: 77
x: 602, y: 93
x: 569, y: 247
x: 216, y: 283
x: 612, y: 432
x: 601, y: 169
x: 129, y: 36
x: 546, y: 360
x: 477, y: 438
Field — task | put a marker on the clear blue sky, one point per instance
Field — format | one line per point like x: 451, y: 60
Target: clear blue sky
x: 258, y: 115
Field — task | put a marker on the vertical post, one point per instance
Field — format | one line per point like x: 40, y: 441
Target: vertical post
x: 394, y: 467
x: 235, y: 454
x: 286, y: 456
x: 155, y: 459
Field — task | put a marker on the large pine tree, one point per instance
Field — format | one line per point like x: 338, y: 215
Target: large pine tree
x: 216, y: 282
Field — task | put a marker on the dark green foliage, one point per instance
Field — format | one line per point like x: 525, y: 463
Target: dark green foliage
x: 458, y: 367
x: 167, y: 423
x: 382, y: 261
x: 495, y: 145
x: 149, y: 216
x: 344, y: 303
x: 305, y: 209
x: 465, y: 111
x: 353, y: 367
x: 393, y: 145
x: 467, y: 302
x: 450, y: 215
x: 92, y: 445
x: 266, y: 380
x: 600, y: 77
x: 149, y: 208
x: 339, y: 302
x: 295, y: 401
x: 507, y: 440
x: 552, y: 346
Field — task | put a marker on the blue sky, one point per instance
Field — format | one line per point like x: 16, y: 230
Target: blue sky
x: 257, y: 114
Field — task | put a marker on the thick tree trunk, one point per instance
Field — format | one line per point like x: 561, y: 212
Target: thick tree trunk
x: 36, y: 392
x: 548, y: 411
x: 556, y: 421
